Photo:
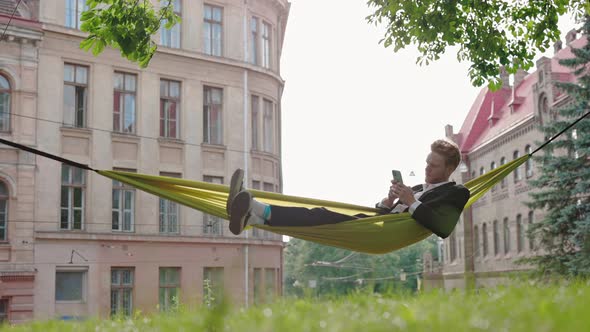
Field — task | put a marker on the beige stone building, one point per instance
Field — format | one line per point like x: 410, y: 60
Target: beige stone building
x: 500, y: 126
x: 75, y: 244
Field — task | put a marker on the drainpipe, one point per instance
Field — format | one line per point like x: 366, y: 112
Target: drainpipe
x: 246, y: 248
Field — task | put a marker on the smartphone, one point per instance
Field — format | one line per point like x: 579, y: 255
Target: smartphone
x: 397, y: 176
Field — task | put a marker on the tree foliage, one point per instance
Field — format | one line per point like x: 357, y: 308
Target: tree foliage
x: 564, y: 184
x: 489, y: 34
x: 339, y: 271
x: 126, y: 25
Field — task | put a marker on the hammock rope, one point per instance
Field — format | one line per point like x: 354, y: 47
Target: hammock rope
x: 375, y: 234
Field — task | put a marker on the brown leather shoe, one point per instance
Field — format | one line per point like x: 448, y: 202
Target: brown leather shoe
x: 240, y: 212
x: 235, y: 186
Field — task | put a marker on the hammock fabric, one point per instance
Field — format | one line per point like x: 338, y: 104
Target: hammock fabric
x: 376, y: 234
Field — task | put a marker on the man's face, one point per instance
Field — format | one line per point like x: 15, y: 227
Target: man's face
x: 436, y: 169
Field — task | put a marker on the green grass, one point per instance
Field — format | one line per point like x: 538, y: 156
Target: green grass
x: 523, y: 307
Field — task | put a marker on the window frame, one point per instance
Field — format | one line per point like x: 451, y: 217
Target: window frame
x: 506, y: 235
x: 120, y: 288
x: 208, y: 48
x: 268, y: 126
x: 77, y: 122
x: 119, y: 126
x: 76, y: 23
x: 84, y: 286
x: 164, y: 285
x: 71, y: 187
x: 165, y: 117
x: 6, y: 116
x: 266, y: 36
x: 165, y: 215
x: 123, y: 189
x: 167, y: 34
x: 4, y: 204
x: 208, y: 107
x: 254, y: 37
x: 212, y: 225
x: 216, y: 283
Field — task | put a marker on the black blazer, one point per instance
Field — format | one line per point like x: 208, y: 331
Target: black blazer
x: 441, y: 208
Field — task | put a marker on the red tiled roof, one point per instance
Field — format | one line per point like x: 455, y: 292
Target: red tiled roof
x: 476, y: 129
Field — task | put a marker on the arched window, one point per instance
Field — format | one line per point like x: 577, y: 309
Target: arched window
x: 517, y: 175
x: 496, y: 238
x: 476, y: 241
x: 484, y: 236
x: 503, y: 182
x: 519, y: 233
x: 482, y: 171
x: 543, y: 108
x: 506, y: 236
x: 528, y: 166
x: 4, y: 104
x: 3, y: 211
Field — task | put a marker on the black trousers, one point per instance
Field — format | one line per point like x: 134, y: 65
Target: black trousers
x: 298, y: 216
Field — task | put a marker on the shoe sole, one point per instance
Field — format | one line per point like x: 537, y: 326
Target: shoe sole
x: 235, y: 186
x: 239, y: 212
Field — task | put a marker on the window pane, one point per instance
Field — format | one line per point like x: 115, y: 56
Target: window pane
x: 217, y: 13
x: 81, y: 74
x: 119, y: 81
x: 68, y: 73
x: 130, y: 82
x: 174, y: 89
x: 78, y: 197
x: 69, y: 104
x: 69, y: 286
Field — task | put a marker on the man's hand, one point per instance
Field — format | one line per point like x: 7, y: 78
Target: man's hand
x: 405, y: 193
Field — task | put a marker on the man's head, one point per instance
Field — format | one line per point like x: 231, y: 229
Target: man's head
x: 443, y: 159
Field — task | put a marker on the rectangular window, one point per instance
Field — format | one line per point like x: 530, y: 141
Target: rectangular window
x: 213, y: 283
x: 254, y: 40
x: 75, y: 92
x: 123, y: 209
x: 169, y: 108
x: 70, y: 286
x: 212, y: 115
x: 124, y: 102
x: 169, y: 212
x: 212, y: 225
x: 268, y: 126
x: 3, y: 311
x: 169, y: 288
x: 255, y: 104
x: 74, y: 9
x: 258, y: 296
x: 171, y: 37
x: 73, y: 184
x: 270, y: 282
x: 213, y: 30
x: 122, y: 291
x: 266, y: 45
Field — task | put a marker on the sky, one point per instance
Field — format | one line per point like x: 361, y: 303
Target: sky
x: 353, y: 110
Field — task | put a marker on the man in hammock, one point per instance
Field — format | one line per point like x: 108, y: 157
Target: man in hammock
x: 436, y: 205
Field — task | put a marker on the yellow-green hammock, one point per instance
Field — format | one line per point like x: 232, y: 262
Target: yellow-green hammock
x: 376, y: 234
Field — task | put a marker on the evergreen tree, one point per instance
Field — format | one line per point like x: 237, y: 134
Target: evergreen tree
x: 563, y: 187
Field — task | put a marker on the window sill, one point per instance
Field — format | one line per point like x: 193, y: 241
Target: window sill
x: 211, y: 146
x: 76, y: 131
x: 120, y: 136
x: 170, y: 141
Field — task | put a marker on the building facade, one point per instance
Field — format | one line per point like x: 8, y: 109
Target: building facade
x: 501, y: 126
x: 208, y: 103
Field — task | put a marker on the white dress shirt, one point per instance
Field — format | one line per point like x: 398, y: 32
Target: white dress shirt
x: 425, y: 188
